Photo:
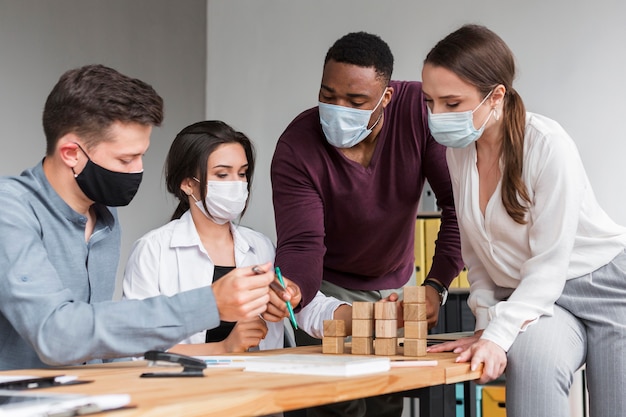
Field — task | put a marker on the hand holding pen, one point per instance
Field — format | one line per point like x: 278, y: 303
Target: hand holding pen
x: 283, y: 298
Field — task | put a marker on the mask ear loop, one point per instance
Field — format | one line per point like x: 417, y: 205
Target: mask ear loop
x: 381, y: 113
x: 83, y: 151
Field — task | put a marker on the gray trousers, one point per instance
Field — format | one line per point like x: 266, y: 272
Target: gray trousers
x: 588, y: 326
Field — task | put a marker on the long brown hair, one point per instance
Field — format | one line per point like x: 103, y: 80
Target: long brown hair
x: 480, y: 57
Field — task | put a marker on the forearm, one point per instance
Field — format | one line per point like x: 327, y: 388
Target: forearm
x: 447, y: 260
x: 79, y: 332
x: 299, y: 217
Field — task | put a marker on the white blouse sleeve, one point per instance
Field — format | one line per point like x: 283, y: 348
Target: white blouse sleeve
x: 311, y: 318
x: 142, y: 271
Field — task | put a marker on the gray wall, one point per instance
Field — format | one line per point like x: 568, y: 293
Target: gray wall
x: 265, y: 61
x: 159, y: 41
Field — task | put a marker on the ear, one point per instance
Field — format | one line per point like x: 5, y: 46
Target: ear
x: 68, y: 150
x: 387, y: 96
x: 187, y: 185
x: 497, y: 96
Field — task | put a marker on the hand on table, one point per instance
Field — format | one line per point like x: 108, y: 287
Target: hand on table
x: 477, y: 351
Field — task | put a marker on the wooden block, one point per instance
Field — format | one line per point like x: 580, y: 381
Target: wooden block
x: 414, y: 294
x: 414, y: 312
x: 336, y: 328
x: 362, y: 345
x: 362, y: 310
x: 386, y: 310
x: 332, y: 344
x: 362, y: 328
x: 386, y: 328
x: 414, y: 347
x: 416, y: 329
x: 386, y: 346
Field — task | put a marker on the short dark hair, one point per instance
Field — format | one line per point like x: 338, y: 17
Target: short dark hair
x: 87, y: 100
x: 364, y: 50
x: 190, y: 151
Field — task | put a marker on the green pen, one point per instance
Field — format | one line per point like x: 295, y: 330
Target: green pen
x: 292, y: 316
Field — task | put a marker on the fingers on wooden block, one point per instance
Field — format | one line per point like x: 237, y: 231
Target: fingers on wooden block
x: 335, y: 328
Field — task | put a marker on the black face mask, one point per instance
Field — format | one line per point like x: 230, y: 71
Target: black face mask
x: 107, y: 187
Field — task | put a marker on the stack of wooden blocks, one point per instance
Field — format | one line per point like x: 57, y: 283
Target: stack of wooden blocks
x: 362, y: 328
x: 380, y: 321
x: 334, y: 336
x: 415, y: 324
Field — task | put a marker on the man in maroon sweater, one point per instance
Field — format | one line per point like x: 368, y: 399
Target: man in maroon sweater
x: 347, y: 177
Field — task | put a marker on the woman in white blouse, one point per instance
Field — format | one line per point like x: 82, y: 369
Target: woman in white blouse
x: 546, y: 264
x: 209, y: 168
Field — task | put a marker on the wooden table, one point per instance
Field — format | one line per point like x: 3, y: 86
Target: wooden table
x: 233, y: 392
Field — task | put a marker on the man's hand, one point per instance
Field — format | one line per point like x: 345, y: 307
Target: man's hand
x: 243, y: 293
x: 393, y: 297
x: 432, y: 306
x: 279, y: 296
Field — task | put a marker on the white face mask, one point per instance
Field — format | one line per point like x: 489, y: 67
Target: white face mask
x: 224, y: 199
x: 456, y: 129
x: 345, y: 127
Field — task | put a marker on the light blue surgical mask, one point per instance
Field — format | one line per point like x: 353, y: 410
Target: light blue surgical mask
x: 345, y: 127
x: 456, y: 129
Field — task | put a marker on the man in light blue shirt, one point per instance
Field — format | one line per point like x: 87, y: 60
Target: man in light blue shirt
x: 60, y: 237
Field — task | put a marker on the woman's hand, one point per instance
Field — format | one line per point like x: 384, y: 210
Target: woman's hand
x: 485, y: 352
x: 477, y: 351
x: 245, y: 334
x: 456, y: 346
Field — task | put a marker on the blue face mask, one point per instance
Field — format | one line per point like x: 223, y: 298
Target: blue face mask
x: 456, y: 129
x: 345, y: 127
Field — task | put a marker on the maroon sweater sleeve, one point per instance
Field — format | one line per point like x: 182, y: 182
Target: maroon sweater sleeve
x: 299, y: 217
x: 447, y: 261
